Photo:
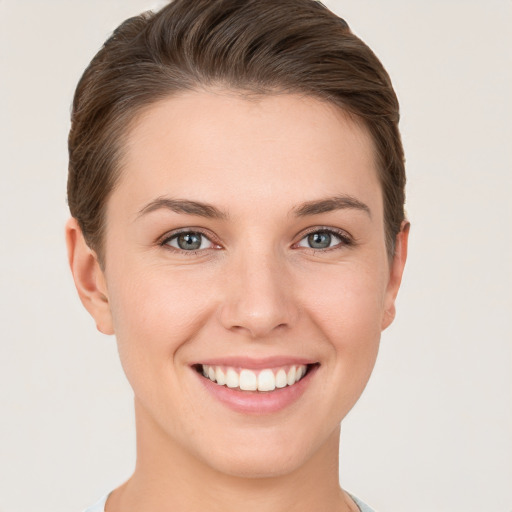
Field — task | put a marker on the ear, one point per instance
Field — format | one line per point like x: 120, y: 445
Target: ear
x: 396, y: 272
x: 89, y: 278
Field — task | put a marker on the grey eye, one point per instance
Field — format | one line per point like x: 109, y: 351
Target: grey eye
x: 189, y: 241
x: 321, y: 240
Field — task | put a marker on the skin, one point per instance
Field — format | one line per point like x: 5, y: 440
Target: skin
x: 256, y: 289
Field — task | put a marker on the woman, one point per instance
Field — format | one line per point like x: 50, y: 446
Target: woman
x: 236, y: 185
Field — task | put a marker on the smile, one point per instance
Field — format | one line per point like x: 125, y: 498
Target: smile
x: 256, y: 386
x: 263, y: 380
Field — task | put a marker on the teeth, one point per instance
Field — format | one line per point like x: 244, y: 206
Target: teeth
x: 220, y: 376
x: 231, y: 378
x: 291, y: 376
x: 266, y: 381
x: 281, y: 379
x: 249, y: 380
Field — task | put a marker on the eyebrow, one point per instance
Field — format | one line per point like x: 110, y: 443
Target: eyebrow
x: 330, y: 204
x: 183, y: 206
x: 209, y: 211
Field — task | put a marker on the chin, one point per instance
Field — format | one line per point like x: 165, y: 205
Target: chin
x: 259, y: 454
x: 248, y: 464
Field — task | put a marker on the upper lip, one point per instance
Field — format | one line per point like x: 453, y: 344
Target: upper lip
x: 255, y: 363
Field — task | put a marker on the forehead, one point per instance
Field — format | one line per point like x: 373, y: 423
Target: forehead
x: 221, y: 146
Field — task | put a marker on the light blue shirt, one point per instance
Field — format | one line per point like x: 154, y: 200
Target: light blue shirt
x: 100, y: 505
x: 363, y: 507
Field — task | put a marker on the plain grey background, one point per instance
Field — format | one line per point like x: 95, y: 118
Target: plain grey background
x: 433, y: 431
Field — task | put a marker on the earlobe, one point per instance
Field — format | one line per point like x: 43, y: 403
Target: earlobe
x: 89, y: 277
x: 396, y: 273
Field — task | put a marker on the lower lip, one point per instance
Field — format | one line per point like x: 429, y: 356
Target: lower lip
x: 257, y: 402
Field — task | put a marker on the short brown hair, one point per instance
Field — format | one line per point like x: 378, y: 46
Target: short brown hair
x: 261, y: 46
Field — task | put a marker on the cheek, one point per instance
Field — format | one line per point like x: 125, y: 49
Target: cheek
x: 344, y: 306
x: 155, y: 312
x: 347, y: 306
x: 347, y: 301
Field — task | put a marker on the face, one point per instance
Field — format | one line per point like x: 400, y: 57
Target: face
x: 245, y: 242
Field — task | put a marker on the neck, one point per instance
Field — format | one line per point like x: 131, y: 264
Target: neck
x: 167, y: 477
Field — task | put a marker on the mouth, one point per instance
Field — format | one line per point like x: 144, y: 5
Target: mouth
x: 262, y: 380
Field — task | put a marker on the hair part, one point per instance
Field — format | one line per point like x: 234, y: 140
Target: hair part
x: 252, y: 46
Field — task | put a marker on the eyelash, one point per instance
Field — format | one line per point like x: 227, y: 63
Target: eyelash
x: 346, y: 240
x: 167, y: 238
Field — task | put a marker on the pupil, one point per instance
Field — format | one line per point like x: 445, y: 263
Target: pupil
x: 189, y: 241
x: 319, y: 240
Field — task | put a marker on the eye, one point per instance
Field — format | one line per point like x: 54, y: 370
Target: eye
x: 324, y: 239
x: 189, y: 241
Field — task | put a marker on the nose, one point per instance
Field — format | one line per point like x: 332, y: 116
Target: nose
x: 259, y: 296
